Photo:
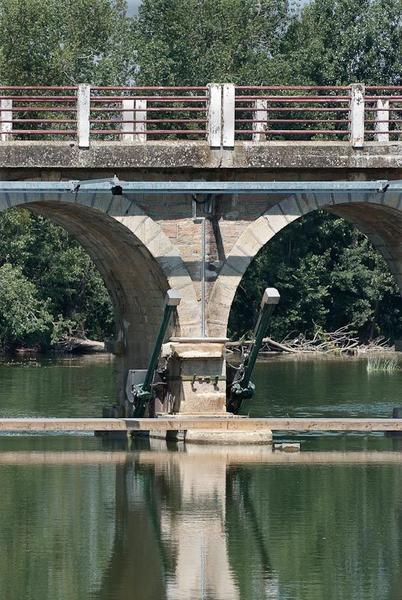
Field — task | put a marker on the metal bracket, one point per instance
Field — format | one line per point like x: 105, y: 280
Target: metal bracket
x: 214, y: 379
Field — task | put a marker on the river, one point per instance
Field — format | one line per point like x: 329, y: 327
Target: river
x: 83, y: 519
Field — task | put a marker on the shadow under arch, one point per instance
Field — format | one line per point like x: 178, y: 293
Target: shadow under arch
x: 379, y: 217
x: 137, y: 278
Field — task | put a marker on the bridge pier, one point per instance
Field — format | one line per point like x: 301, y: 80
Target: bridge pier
x: 197, y: 375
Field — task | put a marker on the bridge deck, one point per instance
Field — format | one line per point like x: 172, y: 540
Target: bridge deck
x: 193, y: 422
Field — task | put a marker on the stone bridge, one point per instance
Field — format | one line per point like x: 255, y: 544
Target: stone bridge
x: 191, y: 214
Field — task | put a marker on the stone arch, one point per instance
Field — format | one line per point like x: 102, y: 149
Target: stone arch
x: 377, y: 215
x: 137, y: 261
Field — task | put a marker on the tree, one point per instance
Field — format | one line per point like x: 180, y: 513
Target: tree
x: 65, y: 280
x: 64, y: 43
x: 337, y: 42
x: 24, y: 318
x: 329, y: 275
x: 196, y: 42
x: 61, y: 43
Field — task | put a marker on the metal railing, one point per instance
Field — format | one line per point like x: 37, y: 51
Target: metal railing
x: 219, y: 113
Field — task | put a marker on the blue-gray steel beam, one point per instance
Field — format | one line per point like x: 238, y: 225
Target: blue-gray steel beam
x: 70, y: 188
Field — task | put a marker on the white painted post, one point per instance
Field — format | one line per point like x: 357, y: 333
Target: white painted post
x: 357, y: 114
x: 83, y: 111
x: 127, y: 126
x: 6, y: 115
x: 214, y: 125
x: 140, y: 118
x: 382, y: 121
x: 228, y: 115
x: 260, y: 114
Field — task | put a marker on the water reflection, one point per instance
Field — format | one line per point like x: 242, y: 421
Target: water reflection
x: 80, y: 521
x: 229, y: 523
x: 171, y: 520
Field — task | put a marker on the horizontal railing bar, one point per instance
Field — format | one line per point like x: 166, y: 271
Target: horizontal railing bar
x: 38, y: 121
x: 40, y: 98
x: 149, y: 87
x: 292, y: 87
x: 294, y: 121
x: 106, y: 99
x: 293, y: 109
x: 149, y: 121
x: 38, y: 87
x: 42, y: 132
x: 383, y: 87
x: 296, y: 131
x: 291, y: 99
x: 149, y: 132
x: 164, y: 109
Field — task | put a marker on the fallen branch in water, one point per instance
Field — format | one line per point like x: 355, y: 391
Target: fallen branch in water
x: 341, y: 341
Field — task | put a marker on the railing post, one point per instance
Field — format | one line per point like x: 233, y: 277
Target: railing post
x: 382, y: 121
x: 214, y: 125
x: 228, y: 115
x: 127, y: 126
x: 260, y: 121
x: 140, y: 121
x: 6, y: 115
x: 357, y: 91
x: 83, y: 111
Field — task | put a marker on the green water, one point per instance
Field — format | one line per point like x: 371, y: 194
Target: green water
x: 81, y: 519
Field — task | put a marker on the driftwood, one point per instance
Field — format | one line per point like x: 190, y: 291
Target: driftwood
x: 77, y: 345
x: 341, y: 341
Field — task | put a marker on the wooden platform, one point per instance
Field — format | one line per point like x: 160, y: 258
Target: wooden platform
x: 202, y: 423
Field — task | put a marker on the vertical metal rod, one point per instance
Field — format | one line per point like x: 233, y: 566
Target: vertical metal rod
x: 203, y: 240
x: 203, y: 282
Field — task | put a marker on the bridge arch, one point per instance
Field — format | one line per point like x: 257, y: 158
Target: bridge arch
x: 378, y: 216
x: 137, y: 262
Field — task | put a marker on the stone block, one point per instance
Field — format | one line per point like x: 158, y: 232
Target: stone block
x: 196, y: 376
x: 219, y: 436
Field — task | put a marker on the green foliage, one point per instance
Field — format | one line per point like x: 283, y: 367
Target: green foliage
x: 338, y: 42
x: 63, y: 43
x: 24, y: 318
x: 61, y: 276
x: 60, y: 43
x: 193, y: 42
x: 329, y: 275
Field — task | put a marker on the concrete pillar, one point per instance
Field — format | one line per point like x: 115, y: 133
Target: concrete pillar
x: 83, y: 112
x: 127, y: 126
x: 134, y: 125
x: 228, y: 115
x: 382, y: 121
x: 214, y: 131
x: 140, y: 121
x: 260, y: 125
x: 197, y: 375
x: 357, y: 91
x: 6, y: 115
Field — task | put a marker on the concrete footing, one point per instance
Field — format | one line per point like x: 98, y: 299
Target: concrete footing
x: 215, y: 436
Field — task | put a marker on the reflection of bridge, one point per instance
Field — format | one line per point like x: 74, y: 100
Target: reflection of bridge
x: 229, y: 522
x: 196, y: 201
x: 175, y: 515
